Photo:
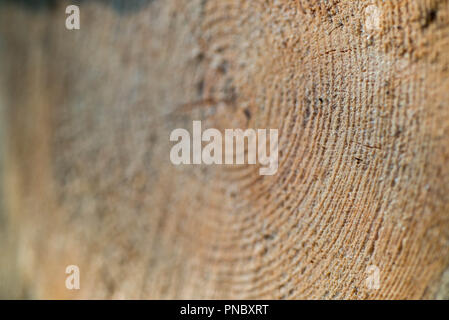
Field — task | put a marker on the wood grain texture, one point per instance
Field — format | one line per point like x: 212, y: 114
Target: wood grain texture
x: 362, y: 108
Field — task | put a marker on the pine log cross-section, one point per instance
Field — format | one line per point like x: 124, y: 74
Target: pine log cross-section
x: 359, y: 91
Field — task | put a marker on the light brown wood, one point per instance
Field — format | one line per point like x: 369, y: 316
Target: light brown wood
x: 358, y: 89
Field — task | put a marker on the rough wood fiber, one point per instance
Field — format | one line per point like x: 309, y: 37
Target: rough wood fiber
x: 363, y: 113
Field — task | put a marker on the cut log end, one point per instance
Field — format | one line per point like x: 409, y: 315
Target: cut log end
x: 359, y: 207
